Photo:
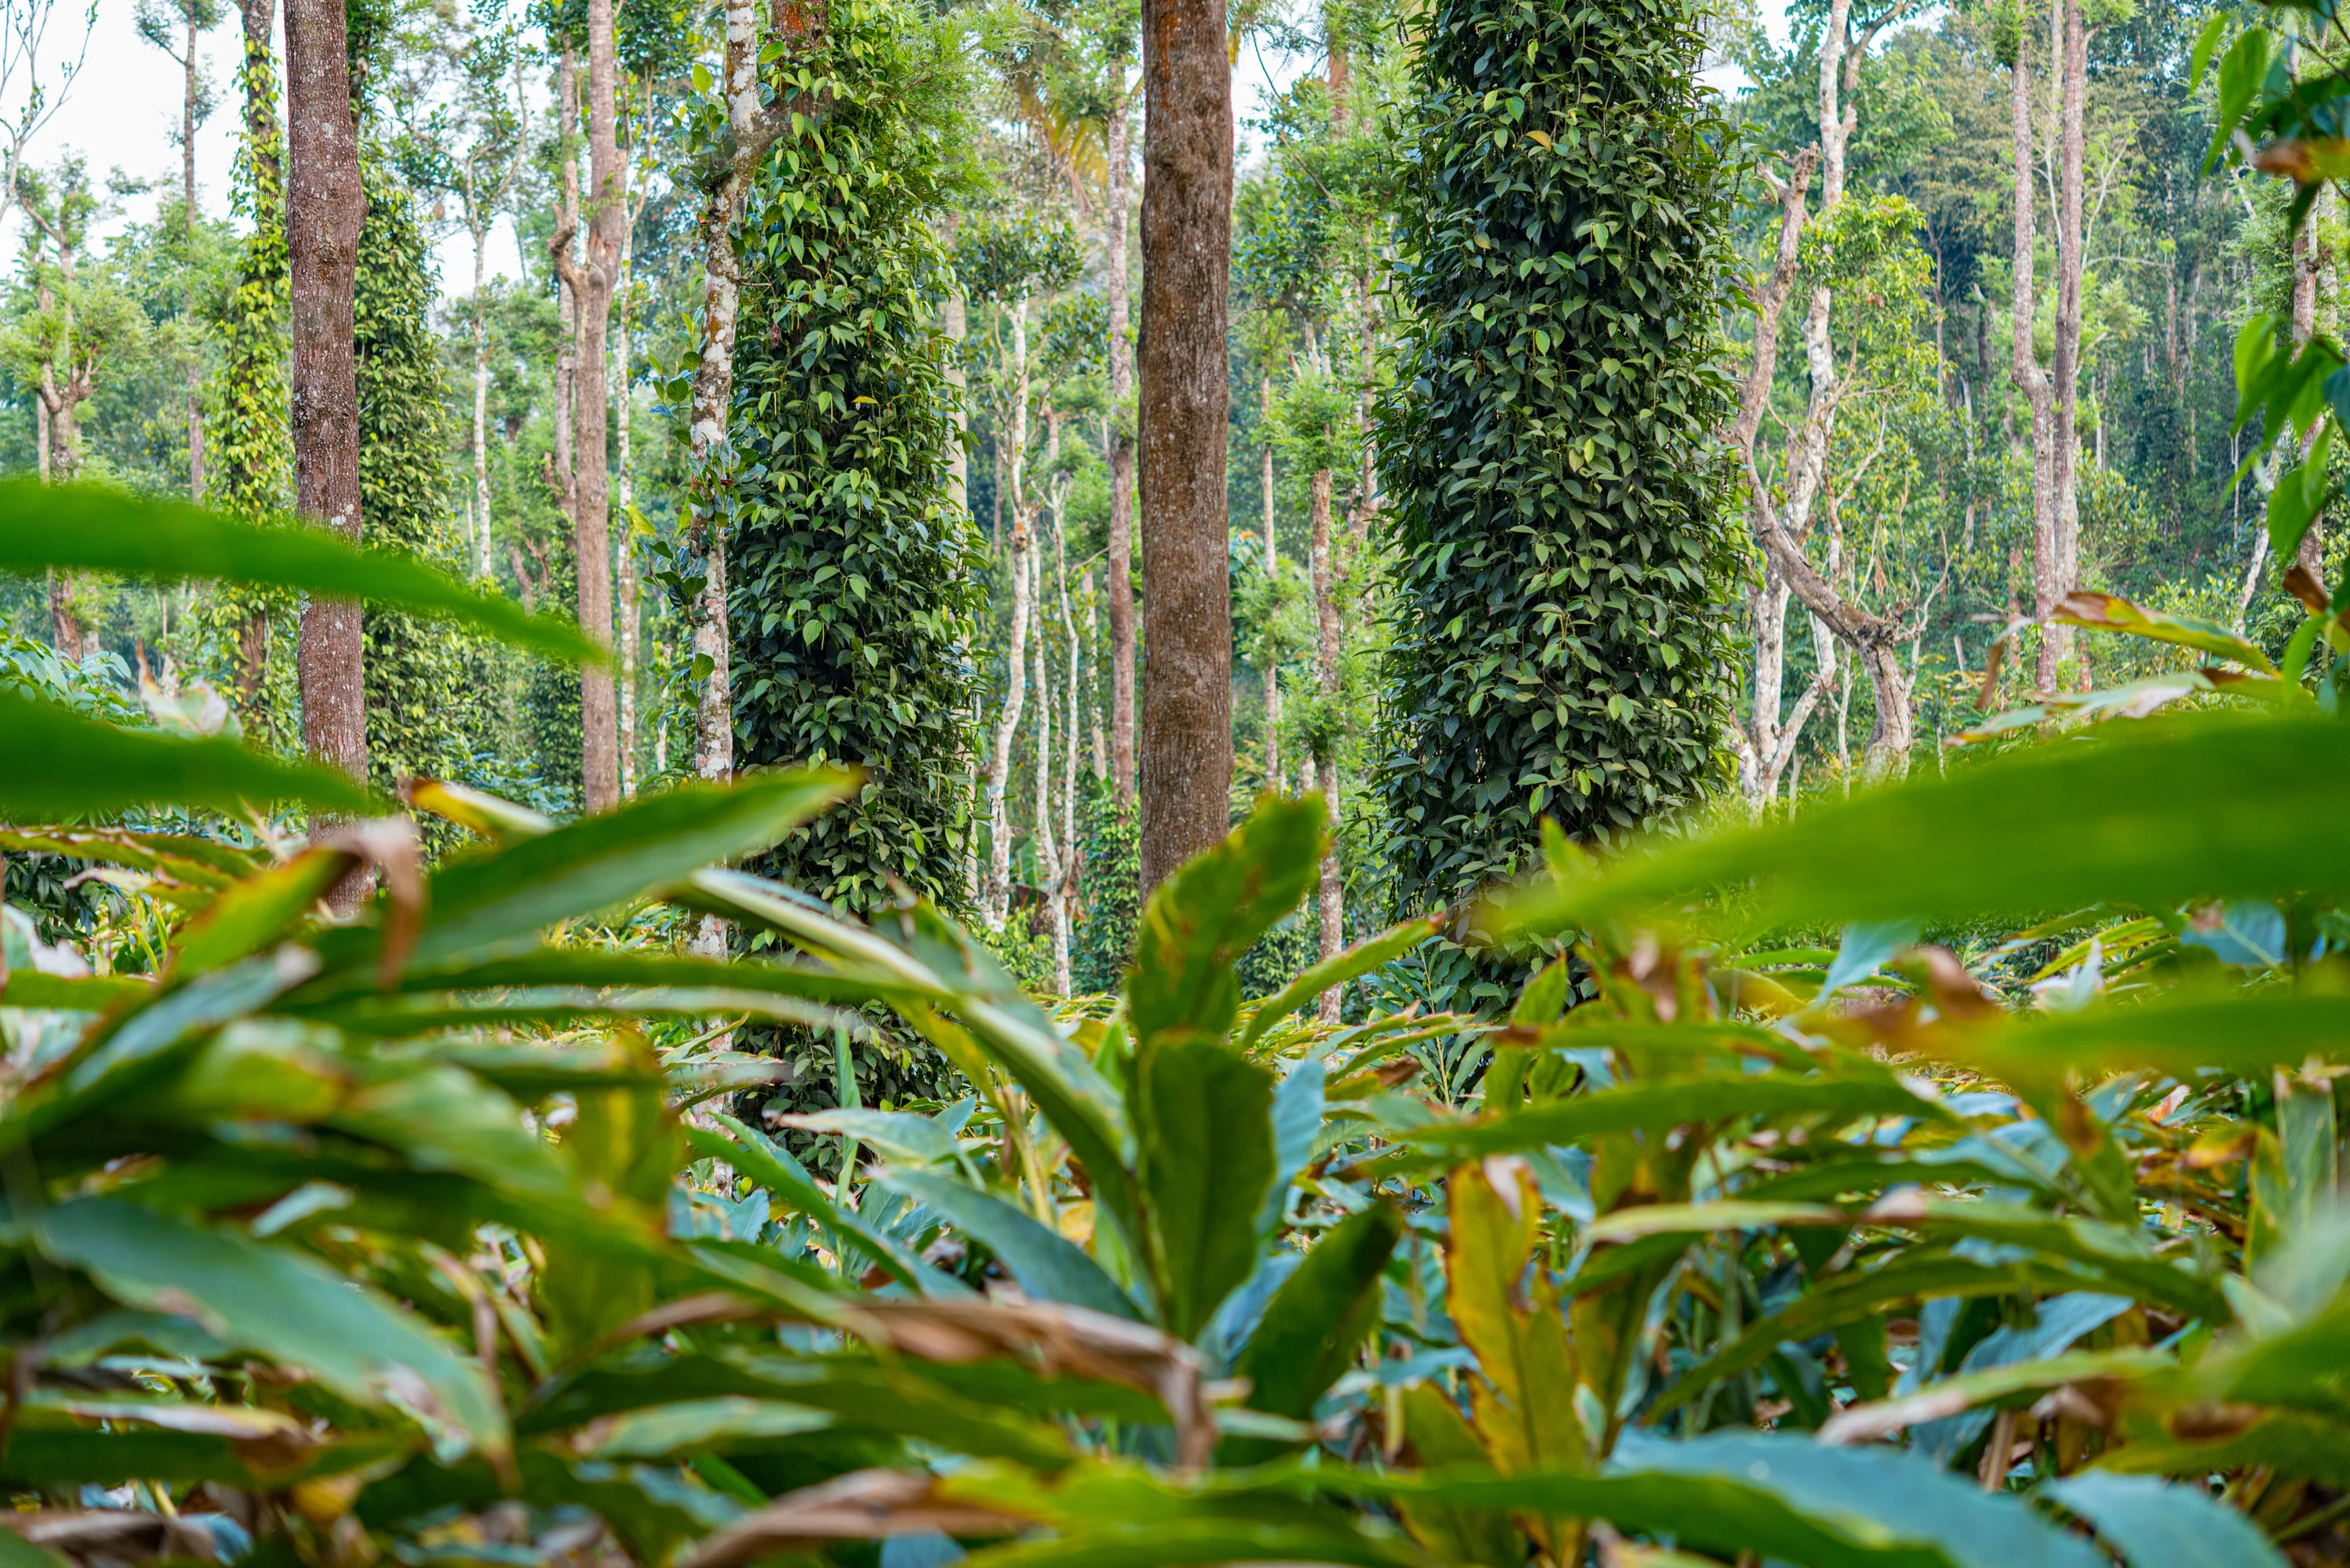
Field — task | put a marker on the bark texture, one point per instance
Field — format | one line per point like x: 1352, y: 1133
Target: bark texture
x: 1272, y: 570
x: 189, y: 110
x: 2038, y: 390
x: 592, y: 286
x: 323, y: 209
x: 1186, y: 741
x: 996, y: 896
x: 1332, y: 902
x: 1120, y: 565
x: 2065, y: 365
x: 1767, y: 741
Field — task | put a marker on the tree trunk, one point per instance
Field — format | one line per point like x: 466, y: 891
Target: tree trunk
x: 566, y: 292
x: 1768, y: 743
x: 1366, y: 343
x: 607, y: 219
x: 1048, y: 840
x: 1121, y: 463
x: 2034, y: 382
x: 1063, y: 889
x: 324, y: 208
x: 2065, y: 364
x: 2311, y: 556
x: 188, y: 181
x: 1093, y: 641
x: 480, y: 234
x: 710, y: 459
x: 1272, y: 573
x: 1332, y: 907
x: 625, y: 552
x: 64, y: 626
x: 1186, y: 750
x: 996, y: 896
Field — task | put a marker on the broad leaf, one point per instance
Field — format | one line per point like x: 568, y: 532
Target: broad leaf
x: 279, y: 1303
x: 86, y: 527
x: 1048, y: 1265
x: 2047, y: 829
x: 1202, y: 918
x: 55, y: 764
x: 2163, y: 1524
x: 1316, y: 1321
x: 1203, y: 1117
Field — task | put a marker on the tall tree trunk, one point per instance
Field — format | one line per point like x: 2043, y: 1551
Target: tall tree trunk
x: 188, y: 181
x: 710, y: 457
x: 264, y: 265
x: 566, y: 292
x: 1048, y: 840
x: 1121, y: 462
x: 64, y: 626
x: 1062, y: 877
x: 606, y: 218
x: 2311, y: 556
x: 480, y: 235
x: 1272, y: 572
x: 1768, y: 743
x: 1332, y: 909
x: 2034, y: 382
x: 625, y: 552
x: 996, y: 896
x: 1186, y: 751
x: 1093, y: 641
x: 324, y: 208
x: 1064, y: 886
x: 2065, y: 364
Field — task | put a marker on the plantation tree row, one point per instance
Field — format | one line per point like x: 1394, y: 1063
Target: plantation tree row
x: 1734, y: 442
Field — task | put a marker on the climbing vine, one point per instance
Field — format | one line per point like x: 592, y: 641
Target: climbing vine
x: 1562, y: 519
x: 855, y: 582
x: 425, y: 701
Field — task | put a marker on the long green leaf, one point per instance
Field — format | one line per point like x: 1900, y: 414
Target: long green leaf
x: 1359, y: 960
x: 2159, y: 1524
x: 2245, y: 1034
x: 279, y: 1303
x: 1850, y: 1297
x: 1671, y: 1104
x: 1203, y: 1117
x: 2056, y: 827
x: 1316, y: 1321
x: 1202, y: 918
x: 53, y: 762
x: 590, y: 865
x: 1048, y: 1265
x: 763, y: 1162
x: 86, y: 527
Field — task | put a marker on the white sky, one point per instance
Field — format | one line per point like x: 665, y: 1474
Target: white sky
x: 122, y: 113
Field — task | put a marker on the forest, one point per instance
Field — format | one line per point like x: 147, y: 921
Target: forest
x: 1107, y: 784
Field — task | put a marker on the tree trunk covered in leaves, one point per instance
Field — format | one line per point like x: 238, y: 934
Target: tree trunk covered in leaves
x: 1186, y: 750
x: 324, y: 207
x: 1524, y: 683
